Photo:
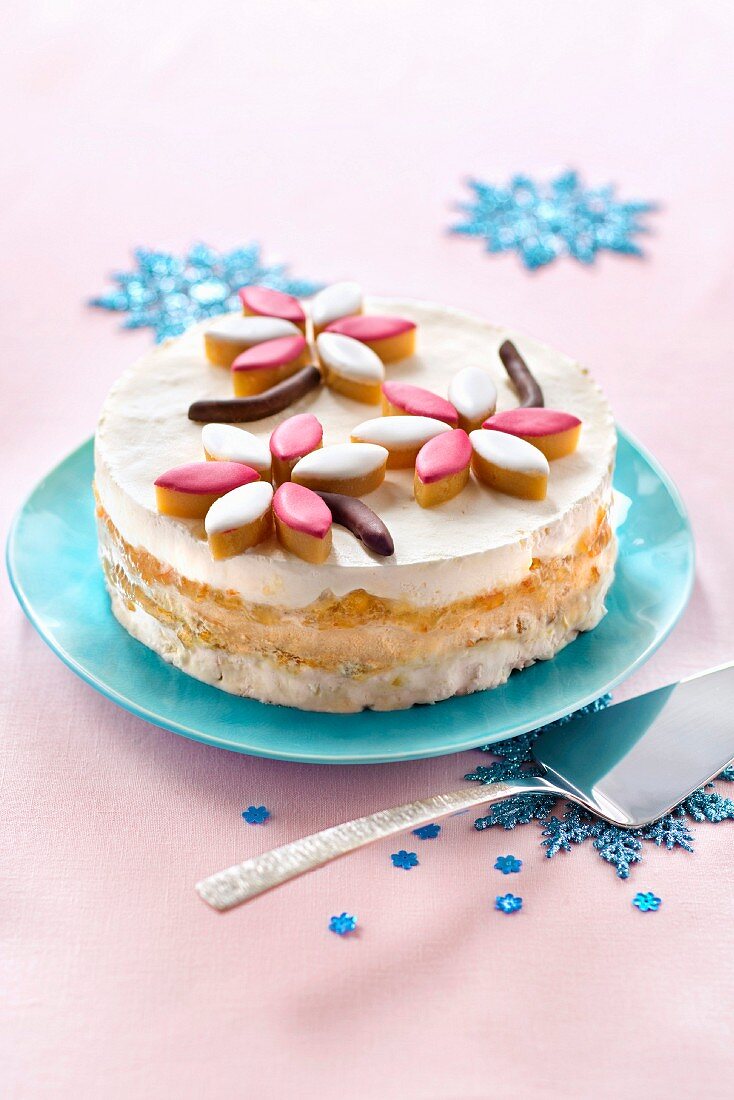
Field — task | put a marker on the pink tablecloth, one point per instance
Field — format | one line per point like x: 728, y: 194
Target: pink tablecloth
x: 338, y: 133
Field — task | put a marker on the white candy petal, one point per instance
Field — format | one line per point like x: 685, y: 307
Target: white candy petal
x: 226, y: 443
x: 349, y: 358
x: 239, y: 508
x: 509, y: 452
x: 399, y: 432
x: 250, y: 330
x: 335, y: 301
x: 341, y: 461
x: 473, y: 393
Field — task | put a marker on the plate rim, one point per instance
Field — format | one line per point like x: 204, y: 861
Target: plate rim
x: 126, y: 702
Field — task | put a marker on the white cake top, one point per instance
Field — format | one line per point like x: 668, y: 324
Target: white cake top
x: 480, y: 540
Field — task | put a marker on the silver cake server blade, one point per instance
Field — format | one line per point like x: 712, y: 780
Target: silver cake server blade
x: 630, y: 764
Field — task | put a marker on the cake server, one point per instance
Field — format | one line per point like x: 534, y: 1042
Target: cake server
x: 629, y: 764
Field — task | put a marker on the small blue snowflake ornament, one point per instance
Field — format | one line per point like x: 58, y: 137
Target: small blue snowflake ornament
x: 404, y: 860
x: 544, y: 219
x: 508, y: 865
x: 647, y: 902
x: 427, y: 832
x: 508, y: 903
x: 343, y: 924
x: 168, y: 293
x: 256, y: 815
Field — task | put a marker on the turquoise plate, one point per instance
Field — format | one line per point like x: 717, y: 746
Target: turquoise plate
x: 52, y: 561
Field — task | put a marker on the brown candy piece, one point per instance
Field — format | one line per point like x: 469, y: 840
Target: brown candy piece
x: 240, y: 410
x: 522, y: 378
x: 363, y: 523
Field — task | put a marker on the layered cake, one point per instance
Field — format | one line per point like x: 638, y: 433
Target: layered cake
x: 350, y: 504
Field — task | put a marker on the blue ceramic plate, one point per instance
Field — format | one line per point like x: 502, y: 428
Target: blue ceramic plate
x: 52, y: 561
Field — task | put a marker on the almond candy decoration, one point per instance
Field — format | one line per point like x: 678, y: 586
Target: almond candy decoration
x: 402, y: 399
x: 509, y: 464
x: 225, y: 443
x: 189, y: 491
x: 474, y: 395
x: 334, y: 302
x: 554, y: 433
x: 390, y: 337
x: 295, y: 437
x: 350, y: 367
x: 442, y: 468
x: 261, y: 367
x: 353, y: 469
x: 239, y: 520
x: 261, y: 301
x: 402, y: 436
x: 302, y: 522
x: 229, y: 336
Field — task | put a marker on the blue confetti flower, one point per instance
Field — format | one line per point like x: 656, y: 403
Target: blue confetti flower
x: 404, y: 859
x: 256, y: 815
x: 508, y: 903
x: 647, y: 903
x: 168, y: 293
x: 343, y: 924
x: 427, y: 832
x: 542, y: 220
x: 508, y: 865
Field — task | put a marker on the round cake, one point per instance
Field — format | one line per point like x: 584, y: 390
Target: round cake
x: 478, y: 585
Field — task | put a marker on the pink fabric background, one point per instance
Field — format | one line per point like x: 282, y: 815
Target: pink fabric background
x: 337, y: 133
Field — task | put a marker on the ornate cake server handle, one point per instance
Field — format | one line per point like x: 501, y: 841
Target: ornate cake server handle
x: 246, y: 880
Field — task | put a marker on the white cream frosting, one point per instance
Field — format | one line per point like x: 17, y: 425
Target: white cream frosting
x: 239, y: 508
x: 478, y: 541
x: 473, y: 393
x: 509, y: 452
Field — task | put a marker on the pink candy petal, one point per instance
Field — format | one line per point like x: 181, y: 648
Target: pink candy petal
x: 532, y: 422
x: 271, y: 354
x: 415, y: 401
x: 263, y: 301
x: 302, y: 510
x: 443, y: 456
x: 207, y: 477
x: 296, y: 436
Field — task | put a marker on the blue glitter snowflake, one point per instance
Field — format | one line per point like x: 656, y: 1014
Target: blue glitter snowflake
x: 508, y: 865
x: 404, y: 859
x: 343, y: 924
x: 427, y: 832
x: 562, y: 832
x: 168, y: 293
x: 508, y: 903
x: 256, y: 815
x: 647, y: 902
x: 542, y: 220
